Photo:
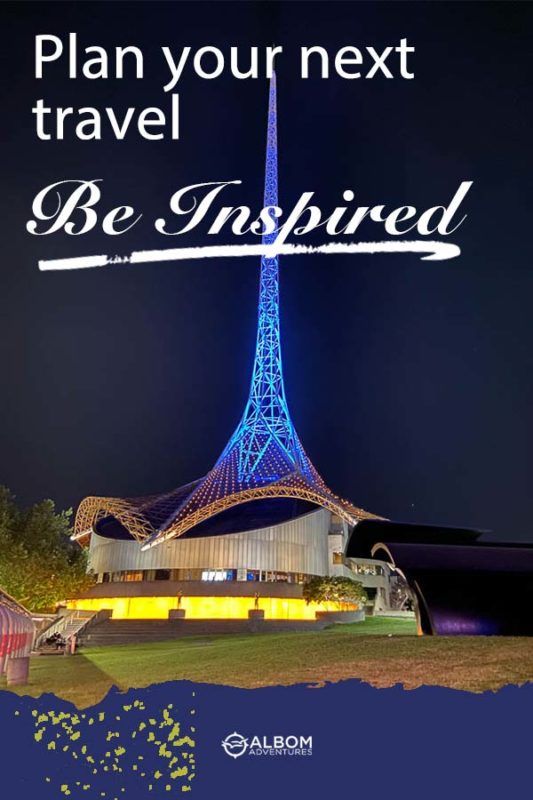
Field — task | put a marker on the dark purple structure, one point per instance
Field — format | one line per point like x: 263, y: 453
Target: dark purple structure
x: 463, y: 585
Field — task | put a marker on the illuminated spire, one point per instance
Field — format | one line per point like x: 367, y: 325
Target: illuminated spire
x: 266, y: 441
x: 264, y: 458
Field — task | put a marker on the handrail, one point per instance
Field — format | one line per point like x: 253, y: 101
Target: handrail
x: 60, y: 624
x: 10, y: 601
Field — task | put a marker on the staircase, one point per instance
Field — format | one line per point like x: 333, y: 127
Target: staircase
x: 142, y: 631
x: 67, y: 625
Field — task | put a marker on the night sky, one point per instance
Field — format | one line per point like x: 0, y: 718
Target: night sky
x: 410, y: 383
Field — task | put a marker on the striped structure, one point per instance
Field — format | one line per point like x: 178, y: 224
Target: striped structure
x: 16, y: 630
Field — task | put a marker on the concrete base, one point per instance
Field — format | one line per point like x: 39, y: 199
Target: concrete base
x: 18, y: 671
x: 256, y: 613
x: 176, y: 613
x: 341, y: 616
x: 396, y: 614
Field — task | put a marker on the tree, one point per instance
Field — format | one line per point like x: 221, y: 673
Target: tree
x: 39, y: 565
x: 334, y: 590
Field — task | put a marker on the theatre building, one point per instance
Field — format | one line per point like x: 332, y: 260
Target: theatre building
x: 215, y: 574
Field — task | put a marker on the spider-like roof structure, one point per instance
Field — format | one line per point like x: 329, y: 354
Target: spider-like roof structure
x: 263, y: 459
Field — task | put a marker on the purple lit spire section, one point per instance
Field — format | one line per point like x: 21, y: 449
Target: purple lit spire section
x: 271, y: 165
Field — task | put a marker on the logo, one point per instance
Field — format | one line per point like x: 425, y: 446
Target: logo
x: 235, y: 745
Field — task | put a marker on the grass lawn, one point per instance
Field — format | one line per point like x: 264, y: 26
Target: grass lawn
x: 380, y: 651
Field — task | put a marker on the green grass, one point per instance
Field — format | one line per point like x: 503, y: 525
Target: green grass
x: 378, y: 626
x: 382, y: 652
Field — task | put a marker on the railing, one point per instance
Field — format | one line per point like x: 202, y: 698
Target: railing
x: 71, y: 623
x: 17, y: 631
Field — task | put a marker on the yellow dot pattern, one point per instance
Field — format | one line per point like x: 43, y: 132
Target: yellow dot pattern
x: 135, y: 751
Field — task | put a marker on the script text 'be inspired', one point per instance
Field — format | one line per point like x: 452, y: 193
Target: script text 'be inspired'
x: 75, y: 207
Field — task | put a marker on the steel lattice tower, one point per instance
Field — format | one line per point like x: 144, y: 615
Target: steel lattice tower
x: 265, y: 438
x: 264, y: 458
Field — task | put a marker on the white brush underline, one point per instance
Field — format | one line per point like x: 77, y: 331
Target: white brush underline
x: 433, y: 251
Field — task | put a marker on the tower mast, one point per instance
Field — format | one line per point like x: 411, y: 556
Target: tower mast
x: 266, y: 421
x: 264, y: 457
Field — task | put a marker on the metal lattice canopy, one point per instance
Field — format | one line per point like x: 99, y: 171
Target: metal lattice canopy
x: 264, y: 458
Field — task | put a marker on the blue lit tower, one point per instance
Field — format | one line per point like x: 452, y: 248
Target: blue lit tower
x: 265, y: 440
x: 264, y: 458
